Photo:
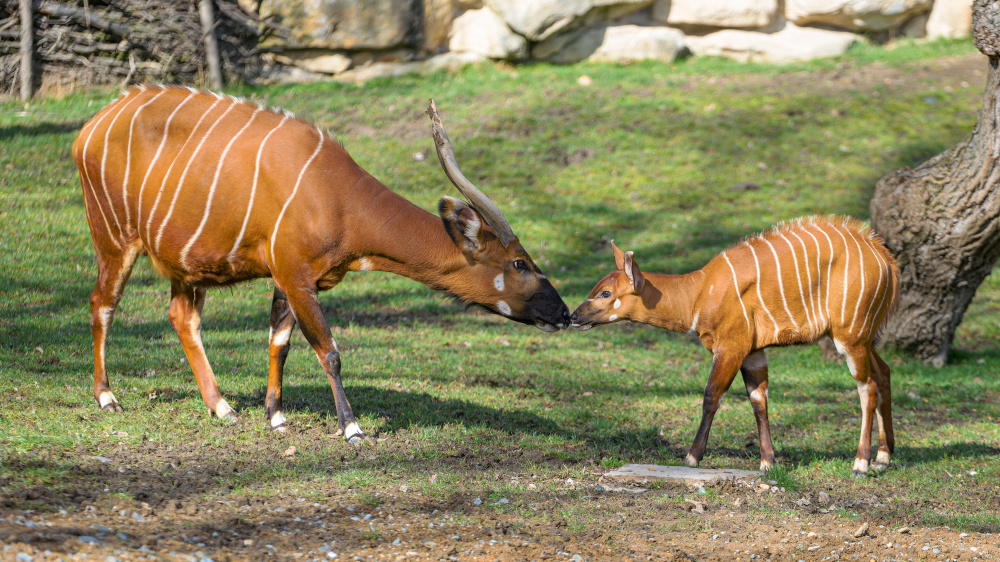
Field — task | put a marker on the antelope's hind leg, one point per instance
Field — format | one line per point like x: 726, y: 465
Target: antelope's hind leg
x: 186, y: 304
x: 754, y: 369
x: 114, y: 266
x: 883, y: 412
x: 305, y: 305
x: 282, y: 324
x: 861, y: 365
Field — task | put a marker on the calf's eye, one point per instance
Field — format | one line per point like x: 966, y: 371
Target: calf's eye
x: 520, y: 265
x: 605, y: 295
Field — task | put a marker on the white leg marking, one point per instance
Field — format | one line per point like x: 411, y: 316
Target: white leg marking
x: 765, y: 466
x: 284, y: 208
x: 253, y: 193
x: 128, y: 158
x: 352, y: 430
x: 211, y: 190
x: 759, y: 296
x: 881, y: 460
x: 223, y: 409
x: 281, y: 338
x: 781, y: 284
x: 690, y: 460
x: 798, y: 276
x: 187, y: 168
x: 104, y: 158
x: 860, y: 466
x: 107, y: 398
x: 163, y: 183
x: 152, y: 163
x: 861, y: 269
x: 504, y: 308
x: 617, y: 305
x: 498, y: 282
x: 694, y: 323
x: 277, y: 420
x: 847, y: 266
x: 612, y: 318
x: 736, y: 287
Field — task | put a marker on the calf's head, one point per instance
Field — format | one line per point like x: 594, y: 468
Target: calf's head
x: 614, y: 297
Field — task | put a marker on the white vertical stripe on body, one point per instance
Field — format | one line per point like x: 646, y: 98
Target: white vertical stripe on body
x: 302, y: 173
x: 128, y: 160
x: 847, y: 266
x: 163, y: 182
x: 86, y: 173
x: 888, y: 283
x: 104, y: 158
x: 798, y: 277
x: 817, y: 322
x: 781, y: 283
x: 180, y: 182
x: 823, y: 316
x: 759, y: 296
x: 156, y: 157
x: 861, y: 293
x: 211, y: 189
x: 829, y: 273
x: 253, y: 191
x: 736, y: 285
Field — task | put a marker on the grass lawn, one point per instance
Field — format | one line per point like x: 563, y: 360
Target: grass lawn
x: 675, y: 162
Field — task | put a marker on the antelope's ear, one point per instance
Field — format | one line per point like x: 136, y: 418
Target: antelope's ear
x: 631, y: 269
x: 463, y: 224
x: 619, y: 255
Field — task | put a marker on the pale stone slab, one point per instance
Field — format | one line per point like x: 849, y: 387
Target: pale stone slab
x: 950, y: 18
x: 716, y: 13
x: 483, y: 31
x: 682, y: 474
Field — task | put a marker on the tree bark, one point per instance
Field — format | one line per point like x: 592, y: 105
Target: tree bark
x: 942, y: 219
x: 211, y: 46
x: 27, y: 50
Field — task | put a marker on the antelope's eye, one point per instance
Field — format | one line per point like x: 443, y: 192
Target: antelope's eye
x: 520, y: 265
x: 605, y: 295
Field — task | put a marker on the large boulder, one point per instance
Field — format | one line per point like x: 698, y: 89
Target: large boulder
x: 613, y: 43
x: 438, y: 17
x: 856, y: 15
x: 950, y: 18
x: 346, y: 24
x: 540, y: 19
x: 448, y: 62
x: 484, y: 32
x: 716, y: 13
x: 790, y: 44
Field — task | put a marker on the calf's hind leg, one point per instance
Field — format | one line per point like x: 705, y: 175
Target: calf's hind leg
x: 186, y: 303
x: 282, y: 324
x: 886, y: 436
x: 114, y: 266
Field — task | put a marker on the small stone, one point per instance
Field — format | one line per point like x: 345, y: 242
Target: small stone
x: 824, y: 498
x: 332, y: 555
x: 247, y: 542
x: 290, y: 452
x: 88, y: 539
x: 585, y: 80
x: 903, y: 530
x: 404, y: 488
x: 810, y: 534
x: 23, y: 557
x: 477, y: 501
x: 862, y: 530
x: 102, y: 459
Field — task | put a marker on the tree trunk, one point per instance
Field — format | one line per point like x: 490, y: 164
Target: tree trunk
x: 942, y: 219
x: 205, y: 9
x: 27, y: 50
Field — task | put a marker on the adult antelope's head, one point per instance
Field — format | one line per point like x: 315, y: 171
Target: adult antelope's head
x: 614, y: 297
x: 503, y: 278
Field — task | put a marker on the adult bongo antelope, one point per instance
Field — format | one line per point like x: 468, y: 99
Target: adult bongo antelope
x: 216, y: 191
x: 793, y: 284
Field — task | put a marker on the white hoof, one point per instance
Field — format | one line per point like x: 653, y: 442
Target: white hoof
x: 860, y: 468
x: 225, y: 412
x: 278, y: 422
x: 108, y: 402
x: 691, y: 461
x: 353, y: 434
x: 881, y: 461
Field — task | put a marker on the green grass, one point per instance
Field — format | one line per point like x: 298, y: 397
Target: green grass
x: 648, y: 156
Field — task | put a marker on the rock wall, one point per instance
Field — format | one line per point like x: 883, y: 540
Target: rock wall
x: 361, y: 39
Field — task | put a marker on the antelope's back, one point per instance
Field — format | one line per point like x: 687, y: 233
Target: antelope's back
x: 812, y: 276
x: 202, y: 181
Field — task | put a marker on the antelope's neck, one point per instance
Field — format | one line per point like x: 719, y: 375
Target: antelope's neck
x: 668, y: 300
x: 399, y: 237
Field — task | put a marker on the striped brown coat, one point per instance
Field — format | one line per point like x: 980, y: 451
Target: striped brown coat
x: 216, y: 191
x: 793, y: 284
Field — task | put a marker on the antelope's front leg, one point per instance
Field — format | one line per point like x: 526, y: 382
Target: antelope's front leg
x: 724, y: 369
x: 754, y: 369
x: 282, y: 324
x: 305, y: 306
